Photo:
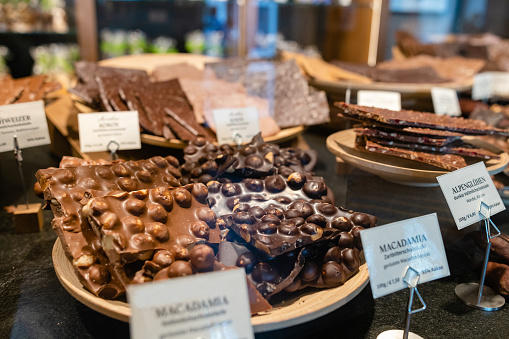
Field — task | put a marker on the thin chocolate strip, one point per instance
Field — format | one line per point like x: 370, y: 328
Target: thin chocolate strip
x: 420, y: 119
x: 449, y: 162
x: 407, y: 137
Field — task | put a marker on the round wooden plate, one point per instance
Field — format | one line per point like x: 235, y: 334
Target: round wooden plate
x: 302, y: 308
x: 401, y: 170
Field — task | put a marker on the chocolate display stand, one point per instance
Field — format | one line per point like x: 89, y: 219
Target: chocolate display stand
x: 411, y: 278
x: 28, y: 217
x: 477, y: 295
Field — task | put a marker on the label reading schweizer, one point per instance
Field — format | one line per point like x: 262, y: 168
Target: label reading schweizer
x: 236, y: 124
x: 27, y: 121
x: 465, y: 188
x: 392, y: 248
x: 97, y: 130
x: 209, y: 305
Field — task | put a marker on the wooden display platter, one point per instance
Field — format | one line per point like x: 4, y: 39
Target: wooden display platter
x: 399, y: 170
x: 306, y: 306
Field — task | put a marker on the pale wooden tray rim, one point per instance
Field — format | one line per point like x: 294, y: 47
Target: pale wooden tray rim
x: 341, y: 144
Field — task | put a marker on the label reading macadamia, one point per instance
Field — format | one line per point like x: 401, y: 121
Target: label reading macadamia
x: 208, y: 305
x: 392, y: 248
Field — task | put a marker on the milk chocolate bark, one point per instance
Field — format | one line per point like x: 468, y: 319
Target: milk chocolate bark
x: 280, y: 228
x: 133, y: 225
x: 125, y: 176
x: 449, y: 162
x: 25, y: 89
x: 419, y: 119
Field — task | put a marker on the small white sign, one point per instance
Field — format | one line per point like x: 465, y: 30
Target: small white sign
x: 27, y: 121
x: 380, y: 99
x: 445, y: 101
x: 392, y: 248
x: 98, y: 130
x: 490, y: 84
x: 210, y: 305
x: 464, y: 189
x: 236, y: 124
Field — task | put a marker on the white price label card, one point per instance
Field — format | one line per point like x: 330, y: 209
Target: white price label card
x: 380, y: 99
x: 489, y: 84
x: 392, y: 248
x: 27, y: 121
x: 464, y: 189
x: 445, y: 101
x: 236, y: 124
x: 210, y: 305
x: 97, y: 130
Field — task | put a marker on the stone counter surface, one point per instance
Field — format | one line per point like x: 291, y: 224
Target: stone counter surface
x: 35, y: 305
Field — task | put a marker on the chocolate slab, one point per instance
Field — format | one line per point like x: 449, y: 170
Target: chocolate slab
x: 410, y: 137
x: 255, y: 159
x: 269, y: 276
x: 458, y: 147
x: 126, y: 176
x: 449, y: 162
x: 133, y: 225
x: 420, y: 119
x: 282, y: 227
x: 223, y: 197
x: 163, y: 266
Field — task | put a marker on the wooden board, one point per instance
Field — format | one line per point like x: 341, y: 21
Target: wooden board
x: 306, y: 306
x: 409, y: 89
x: 148, y: 62
x: 399, y: 170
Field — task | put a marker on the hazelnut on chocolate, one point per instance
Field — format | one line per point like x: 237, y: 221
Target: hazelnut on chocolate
x: 202, y: 257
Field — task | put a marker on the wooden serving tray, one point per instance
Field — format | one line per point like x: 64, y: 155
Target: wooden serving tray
x: 305, y: 306
x: 399, y: 170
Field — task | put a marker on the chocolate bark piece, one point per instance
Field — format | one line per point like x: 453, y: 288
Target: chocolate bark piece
x: 223, y: 197
x: 497, y: 277
x: 69, y: 161
x: 31, y: 85
x: 449, y: 162
x: 109, y: 94
x: 129, y: 94
x: 201, y: 259
x: 79, y: 242
x: 166, y: 104
x: 133, y: 225
x: 458, y: 147
x: 254, y: 159
x: 293, y: 102
x: 331, y: 263
x: 269, y: 275
x: 11, y: 90
x: 126, y: 176
x: 419, y: 119
x: 416, y: 136
x: 285, y: 226
x: 205, y: 161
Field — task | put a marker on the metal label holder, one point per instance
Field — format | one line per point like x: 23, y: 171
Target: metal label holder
x: 113, y: 147
x: 477, y: 295
x: 411, y: 279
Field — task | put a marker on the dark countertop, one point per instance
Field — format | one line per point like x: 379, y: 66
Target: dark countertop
x: 35, y: 305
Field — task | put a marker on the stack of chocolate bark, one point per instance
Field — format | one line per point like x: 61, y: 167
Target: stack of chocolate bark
x: 419, y: 136
x: 256, y: 206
